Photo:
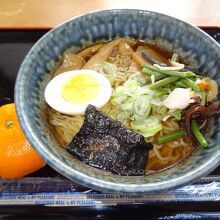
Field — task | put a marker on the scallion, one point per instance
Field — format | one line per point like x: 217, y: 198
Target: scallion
x: 142, y: 105
x: 176, y: 114
x: 148, y: 127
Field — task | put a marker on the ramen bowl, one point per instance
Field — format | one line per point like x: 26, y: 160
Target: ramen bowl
x: 35, y: 73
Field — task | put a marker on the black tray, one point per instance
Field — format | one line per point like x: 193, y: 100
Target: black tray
x: 14, y: 44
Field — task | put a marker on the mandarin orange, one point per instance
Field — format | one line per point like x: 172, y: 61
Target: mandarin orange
x: 17, y: 157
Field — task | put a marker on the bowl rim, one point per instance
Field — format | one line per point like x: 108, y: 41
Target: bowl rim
x: 90, y: 181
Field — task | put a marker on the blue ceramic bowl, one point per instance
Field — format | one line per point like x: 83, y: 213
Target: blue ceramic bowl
x: 34, y: 74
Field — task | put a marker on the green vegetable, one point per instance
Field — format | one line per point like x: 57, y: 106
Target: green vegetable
x: 157, y: 75
x: 181, y: 84
x: 119, y: 99
x: 164, y: 82
x: 109, y: 70
x: 124, y: 94
x: 199, y: 136
x: 133, y: 102
x: 168, y: 72
x: 123, y: 115
x: 176, y: 114
x: 191, y: 84
x: 159, y: 110
x: 138, y: 118
x: 203, y: 97
x: 127, y: 106
x: 111, y: 67
x: 142, y: 105
x: 193, y: 68
x: 160, y: 94
x: 151, y: 72
x: 147, y: 127
x: 194, y: 78
x: 170, y: 137
x: 174, y: 57
x: 142, y: 79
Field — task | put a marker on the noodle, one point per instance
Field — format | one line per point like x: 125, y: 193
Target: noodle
x: 66, y: 127
x: 169, y: 153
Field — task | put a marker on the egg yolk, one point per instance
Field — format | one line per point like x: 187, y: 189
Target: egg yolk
x: 80, y: 89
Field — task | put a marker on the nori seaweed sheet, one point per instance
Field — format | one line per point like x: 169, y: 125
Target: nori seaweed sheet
x: 106, y: 144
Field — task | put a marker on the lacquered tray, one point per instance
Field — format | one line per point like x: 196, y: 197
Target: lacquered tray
x: 48, y: 188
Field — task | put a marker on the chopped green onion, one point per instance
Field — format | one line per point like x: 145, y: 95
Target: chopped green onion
x: 108, y: 69
x: 119, y: 99
x: 147, y: 127
x: 163, y: 82
x: 191, y: 84
x: 142, y: 105
x: 141, y: 78
x: 174, y: 57
x: 170, y: 137
x: 127, y: 106
x: 199, y: 136
x: 138, y: 118
x: 168, y: 72
x: 122, y: 115
x: 176, y: 114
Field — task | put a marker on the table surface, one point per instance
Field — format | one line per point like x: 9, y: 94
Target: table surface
x: 44, y: 14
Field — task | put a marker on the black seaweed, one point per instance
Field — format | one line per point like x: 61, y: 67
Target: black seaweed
x: 106, y: 144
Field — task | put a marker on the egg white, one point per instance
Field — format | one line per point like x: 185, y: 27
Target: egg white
x: 55, y: 99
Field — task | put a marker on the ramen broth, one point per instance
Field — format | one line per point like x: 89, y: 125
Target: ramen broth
x: 125, y: 60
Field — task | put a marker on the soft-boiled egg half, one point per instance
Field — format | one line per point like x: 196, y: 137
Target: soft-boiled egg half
x: 71, y: 92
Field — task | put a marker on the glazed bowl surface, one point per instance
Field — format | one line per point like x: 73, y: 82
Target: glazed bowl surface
x: 79, y: 32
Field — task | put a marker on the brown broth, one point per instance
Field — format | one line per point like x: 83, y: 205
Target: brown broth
x: 166, y: 55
